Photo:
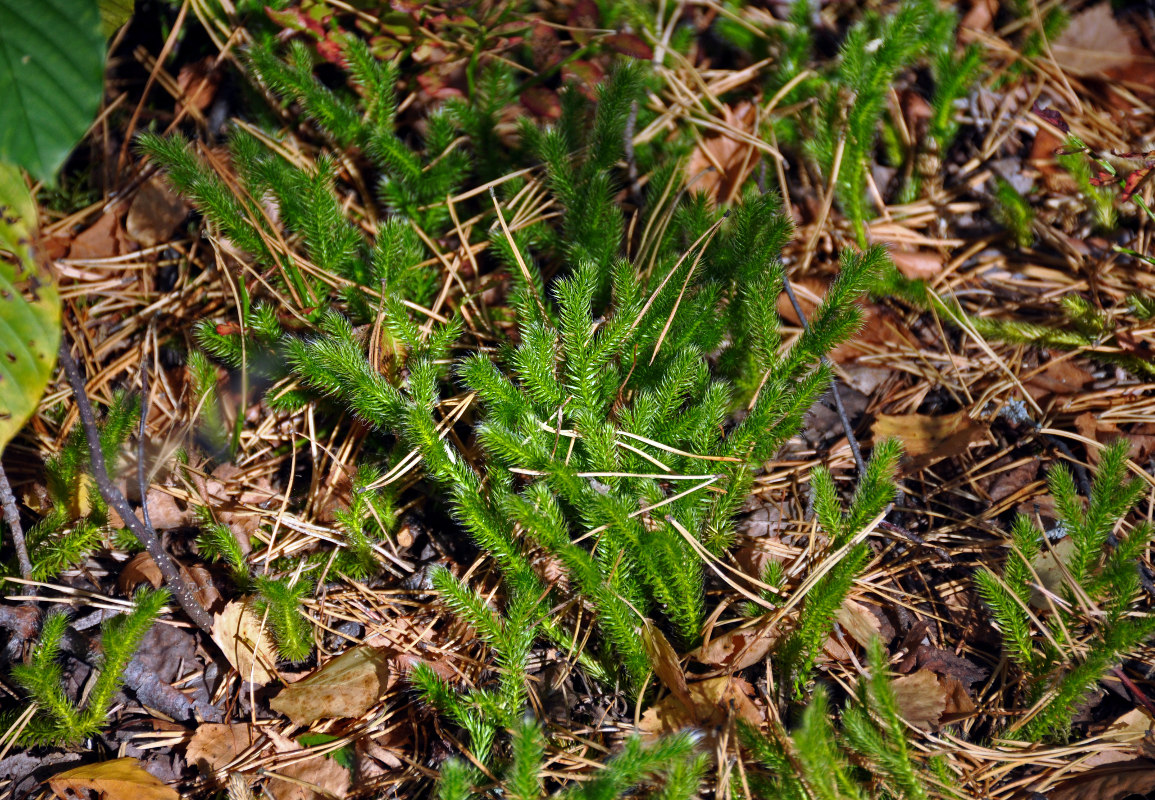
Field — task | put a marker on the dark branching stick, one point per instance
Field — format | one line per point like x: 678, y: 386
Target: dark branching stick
x: 115, y: 499
x: 853, y: 440
x: 846, y: 427
x: 12, y: 517
x: 141, y: 472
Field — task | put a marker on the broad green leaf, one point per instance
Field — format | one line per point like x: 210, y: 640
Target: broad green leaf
x: 29, y: 309
x: 51, y: 80
x: 113, y: 14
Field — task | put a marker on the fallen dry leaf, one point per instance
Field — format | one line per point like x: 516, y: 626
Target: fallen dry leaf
x: 712, y: 701
x: 321, y: 772
x: 345, y: 687
x: 926, y: 439
x: 155, y: 214
x: 249, y: 649
x: 1094, y: 41
x: 735, y: 650
x: 920, y: 697
x: 163, y: 511
x: 665, y: 661
x: 104, y: 238
x: 1109, y: 782
x: 137, y: 570
x: 223, y: 493
x: 917, y: 264
x: 119, y: 779
x: 213, y: 746
x: 720, y: 165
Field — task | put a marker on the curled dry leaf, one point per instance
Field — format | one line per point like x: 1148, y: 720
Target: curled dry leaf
x: 325, y: 774
x: 137, y: 570
x: 736, y: 158
x: 921, y: 698
x: 927, y: 439
x: 249, y: 648
x: 665, y: 661
x: 155, y: 214
x: 917, y: 264
x: 1108, y: 782
x: 119, y: 779
x: 735, y: 650
x: 213, y: 746
x: 345, y: 687
x: 712, y: 703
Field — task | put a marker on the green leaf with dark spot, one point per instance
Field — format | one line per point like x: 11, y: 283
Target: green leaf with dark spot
x: 51, y: 80
x: 29, y: 309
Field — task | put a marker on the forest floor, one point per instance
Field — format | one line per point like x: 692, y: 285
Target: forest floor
x: 983, y: 418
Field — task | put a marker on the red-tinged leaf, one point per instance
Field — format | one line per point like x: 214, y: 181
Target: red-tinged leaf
x: 1052, y: 117
x: 330, y: 50
x: 288, y: 20
x: 584, y: 14
x: 543, y: 103
x: 1134, y: 181
x: 585, y: 74
x: 629, y: 44
x: 1104, y: 178
x: 228, y: 329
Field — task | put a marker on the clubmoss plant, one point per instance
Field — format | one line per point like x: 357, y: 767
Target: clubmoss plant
x: 867, y: 756
x: 60, y: 721
x: 875, y: 491
x: 1064, y: 650
x: 78, y: 522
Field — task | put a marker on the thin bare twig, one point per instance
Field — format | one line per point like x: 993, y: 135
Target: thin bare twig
x: 846, y: 427
x: 12, y: 517
x: 113, y: 496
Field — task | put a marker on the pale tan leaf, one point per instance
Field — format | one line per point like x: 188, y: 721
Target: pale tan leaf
x: 305, y: 778
x: 213, y: 746
x: 119, y: 779
x: 665, y: 661
x: 712, y: 702
x: 859, y: 622
x: 926, y: 439
x: 1094, y: 41
x: 345, y: 687
x: 1108, y: 782
x: 735, y: 650
x: 920, y: 697
x: 249, y: 648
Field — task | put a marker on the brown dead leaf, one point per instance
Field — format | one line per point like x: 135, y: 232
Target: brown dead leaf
x: 1109, y: 782
x: 712, y: 701
x: 732, y: 159
x: 920, y: 697
x: 1093, y: 42
x: 958, y: 701
x: 104, y: 238
x: 213, y: 746
x: 859, y: 622
x: 665, y: 661
x: 137, y: 570
x: 917, y: 264
x: 1061, y: 377
x: 735, y: 650
x: 118, y: 779
x: 223, y: 493
x: 199, y: 82
x: 249, y: 648
x: 927, y: 439
x: 163, y: 511
x: 1013, y: 480
x: 155, y: 214
x: 345, y: 687
x: 321, y: 772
